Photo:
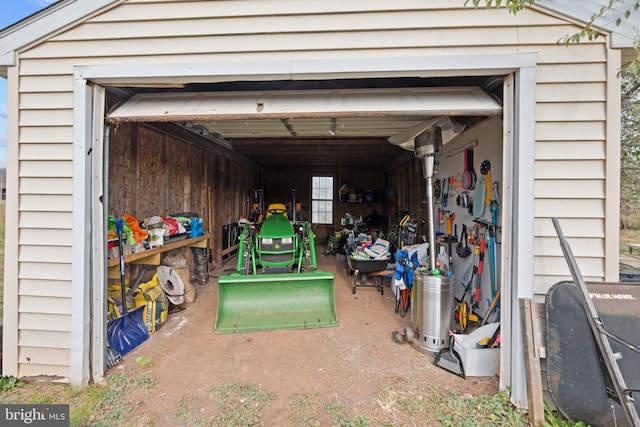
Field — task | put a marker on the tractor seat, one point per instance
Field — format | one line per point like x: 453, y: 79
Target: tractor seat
x: 277, y: 209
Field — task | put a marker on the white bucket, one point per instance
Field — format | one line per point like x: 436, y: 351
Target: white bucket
x: 156, y: 237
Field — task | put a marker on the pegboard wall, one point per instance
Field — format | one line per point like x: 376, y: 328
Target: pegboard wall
x: 485, y: 139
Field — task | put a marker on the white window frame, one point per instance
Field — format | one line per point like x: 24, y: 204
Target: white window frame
x: 322, y: 194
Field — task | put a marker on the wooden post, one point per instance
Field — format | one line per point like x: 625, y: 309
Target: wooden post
x: 532, y: 365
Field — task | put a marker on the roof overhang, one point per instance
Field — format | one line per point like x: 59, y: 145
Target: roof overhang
x: 622, y: 35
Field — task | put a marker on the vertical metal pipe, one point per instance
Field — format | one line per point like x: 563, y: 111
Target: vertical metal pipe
x: 432, y: 234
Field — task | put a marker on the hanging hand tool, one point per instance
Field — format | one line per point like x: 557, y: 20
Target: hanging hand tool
x: 402, y: 240
x: 494, y: 204
x: 478, y: 279
x: 461, y: 312
x: 463, y: 250
x: 492, y: 262
x: 445, y: 192
x: 494, y: 208
x: 493, y: 305
x: 437, y: 189
x: 485, y: 169
x: 450, y: 239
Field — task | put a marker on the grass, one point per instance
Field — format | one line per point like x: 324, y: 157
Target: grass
x: 239, y: 404
x: 628, y: 236
x: 98, y: 404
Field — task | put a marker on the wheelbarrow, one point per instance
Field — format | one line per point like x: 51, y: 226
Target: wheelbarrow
x: 592, y: 351
x: 365, y: 269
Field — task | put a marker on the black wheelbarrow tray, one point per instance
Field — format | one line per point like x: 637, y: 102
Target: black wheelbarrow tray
x: 363, y: 269
x: 592, y: 336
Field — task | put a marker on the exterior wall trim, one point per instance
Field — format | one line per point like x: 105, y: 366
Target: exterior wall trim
x: 612, y: 171
x: 11, y: 290
x: 432, y: 66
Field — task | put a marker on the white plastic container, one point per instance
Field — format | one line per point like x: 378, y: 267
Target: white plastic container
x: 477, y: 362
x: 156, y: 237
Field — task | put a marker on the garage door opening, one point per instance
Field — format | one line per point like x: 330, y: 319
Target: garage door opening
x: 320, y: 122
x: 226, y: 164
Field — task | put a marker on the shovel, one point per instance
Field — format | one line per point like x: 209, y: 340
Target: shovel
x: 449, y: 359
x: 127, y: 331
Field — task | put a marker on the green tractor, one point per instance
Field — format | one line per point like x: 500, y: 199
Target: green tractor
x: 276, y: 284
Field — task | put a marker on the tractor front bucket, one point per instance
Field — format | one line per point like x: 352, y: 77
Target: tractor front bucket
x: 275, y: 301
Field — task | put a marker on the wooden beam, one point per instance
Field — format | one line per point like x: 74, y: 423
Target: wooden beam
x: 532, y: 365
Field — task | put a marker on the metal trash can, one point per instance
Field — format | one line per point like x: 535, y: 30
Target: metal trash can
x: 431, y: 312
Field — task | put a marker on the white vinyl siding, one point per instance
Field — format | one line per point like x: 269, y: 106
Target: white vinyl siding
x: 570, y: 131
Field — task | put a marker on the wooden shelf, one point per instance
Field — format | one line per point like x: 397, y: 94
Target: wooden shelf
x: 152, y: 256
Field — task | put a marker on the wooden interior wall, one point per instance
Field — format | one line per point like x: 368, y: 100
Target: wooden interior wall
x: 162, y: 169
x: 279, y: 181
x: 409, y: 186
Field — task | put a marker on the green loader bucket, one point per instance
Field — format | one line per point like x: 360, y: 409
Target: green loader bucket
x: 275, y: 301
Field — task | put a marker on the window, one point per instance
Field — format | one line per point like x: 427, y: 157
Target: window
x: 322, y: 200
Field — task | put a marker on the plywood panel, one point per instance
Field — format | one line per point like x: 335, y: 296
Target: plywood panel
x: 197, y: 196
x: 150, y: 176
x: 121, y: 162
x: 177, y: 177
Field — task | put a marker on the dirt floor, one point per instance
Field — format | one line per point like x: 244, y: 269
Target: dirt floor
x: 349, y: 363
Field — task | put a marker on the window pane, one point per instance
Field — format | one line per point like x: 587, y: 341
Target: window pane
x: 322, y: 199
